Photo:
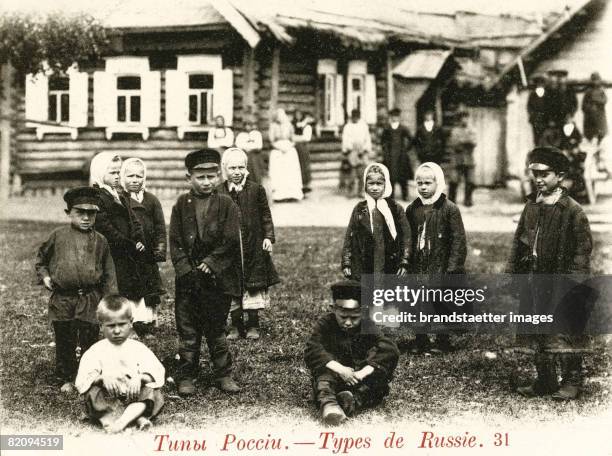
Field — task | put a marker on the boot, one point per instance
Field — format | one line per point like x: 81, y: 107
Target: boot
x: 546, y: 382
x: 332, y: 414
x: 469, y: 188
x: 442, y: 344
x: 567, y: 393
x: 420, y: 344
x: 252, y: 325
x: 237, y: 326
x: 346, y: 400
x: 571, y: 366
x: 227, y: 385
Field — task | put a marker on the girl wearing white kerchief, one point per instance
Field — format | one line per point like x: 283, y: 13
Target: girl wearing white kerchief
x: 438, y: 238
x: 377, y: 239
x: 104, y: 172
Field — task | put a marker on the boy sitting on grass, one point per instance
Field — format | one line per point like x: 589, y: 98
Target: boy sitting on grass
x: 350, y: 370
x: 120, y: 378
x: 76, y: 265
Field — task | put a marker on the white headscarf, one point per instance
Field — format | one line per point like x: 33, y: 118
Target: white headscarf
x: 97, y: 171
x: 440, y: 181
x: 228, y: 155
x: 381, y: 203
x: 138, y: 196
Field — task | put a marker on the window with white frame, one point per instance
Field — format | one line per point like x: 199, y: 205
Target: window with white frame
x: 128, y: 99
x: 59, y: 99
x: 200, y: 98
x: 356, y: 91
x: 331, y: 94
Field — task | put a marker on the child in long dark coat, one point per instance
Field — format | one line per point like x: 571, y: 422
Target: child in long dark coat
x: 553, y: 236
x: 150, y: 214
x: 257, y: 237
x: 438, y: 237
x: 118, y: 223
x: 377, y: 239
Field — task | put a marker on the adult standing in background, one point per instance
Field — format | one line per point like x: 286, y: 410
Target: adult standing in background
x: 537, y: 108
x: 396, y: 141
x: 562, y: 100
x: 220, y: 137
x: 285, y: 174
x: 594, y: 108
x: 251, y: 141
x: 302, y: 135
x: 461, y: 146
x: 429, y: 140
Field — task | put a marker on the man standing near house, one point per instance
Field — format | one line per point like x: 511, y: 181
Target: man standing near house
x: 429, y: 140
x: 562, y: 100
x: 461, y: 145
x: 537, y: 107
x: 396, y: 141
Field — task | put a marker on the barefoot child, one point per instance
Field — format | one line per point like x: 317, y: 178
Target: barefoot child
x: 120, y: 378
x: 350, y: 370
x: 150, y: 214
x: 257, y: 237
x: 377, y: 240
x: 438, y: 237
x: 553, y: 236
x: 123, y: 231
x: 75, y: 264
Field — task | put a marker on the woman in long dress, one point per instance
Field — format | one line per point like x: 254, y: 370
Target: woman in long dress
x: 285, y: 173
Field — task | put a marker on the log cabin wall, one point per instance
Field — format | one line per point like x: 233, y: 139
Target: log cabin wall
x: 57, y: 162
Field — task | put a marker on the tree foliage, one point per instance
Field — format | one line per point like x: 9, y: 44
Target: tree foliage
x: 29, y: 40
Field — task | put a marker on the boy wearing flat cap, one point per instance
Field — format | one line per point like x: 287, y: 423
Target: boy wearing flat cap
x: 553, y: 237
x: 350, y: 370
x: 205, y: 251
x: 75, y: 264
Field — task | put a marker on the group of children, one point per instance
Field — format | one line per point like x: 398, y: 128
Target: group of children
x: 221, y: 237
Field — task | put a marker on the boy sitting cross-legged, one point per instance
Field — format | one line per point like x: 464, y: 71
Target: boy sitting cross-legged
x: 119, y: 377
x: 350, y: 370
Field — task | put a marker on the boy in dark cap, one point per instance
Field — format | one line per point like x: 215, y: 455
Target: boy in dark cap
x: 350, y: 370
x: 75, y: 264
x: 553, y: 237
x: 205, y: 251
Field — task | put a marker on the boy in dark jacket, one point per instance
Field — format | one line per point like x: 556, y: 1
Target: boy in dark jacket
x: 350, y: 370
x: 257, y: 237
x: 205, y: 251
x: 75, y: 264
x: 553, y: 237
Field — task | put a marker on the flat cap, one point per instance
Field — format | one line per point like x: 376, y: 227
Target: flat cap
x: 203, y: 159
x: 82, y: 198
x: 346, y: 294
x: 545, y: 158
x: 558, y: 72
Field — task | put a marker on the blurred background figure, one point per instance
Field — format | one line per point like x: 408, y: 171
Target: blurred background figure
x: 594, y: 108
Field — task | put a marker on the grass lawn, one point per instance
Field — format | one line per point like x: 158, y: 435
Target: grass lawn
x: 271, y: 371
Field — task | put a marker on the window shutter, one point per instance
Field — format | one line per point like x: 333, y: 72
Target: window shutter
x: 105, y: 104
x: 339, y: 108
x: 223, y: 96
x: 176, y: 98
x: 370, y: 99
x: 79, y: 85
x: 151, y: 102
x: 36, y: 96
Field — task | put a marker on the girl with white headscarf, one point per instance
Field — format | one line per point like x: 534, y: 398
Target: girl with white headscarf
x: 256, y: 239
x: 438, y: 237
x: 285, y: 173
x: 120, y: 226
x: 377, y: 240
x: 149, y: 213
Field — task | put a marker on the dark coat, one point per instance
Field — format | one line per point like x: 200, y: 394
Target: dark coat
x: 151, y: 217
x: 594, y: 108
x: 358, y: 249
x: 430, y: 144
x: 395, y: 146
x: 445, y: 233
x: 571, y: 241
x: 121, y: 228
x: 328, y: 342
x: 255, y: 225
x: 569, y: 244
x: 537, y: 109
x: 220, y: 248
